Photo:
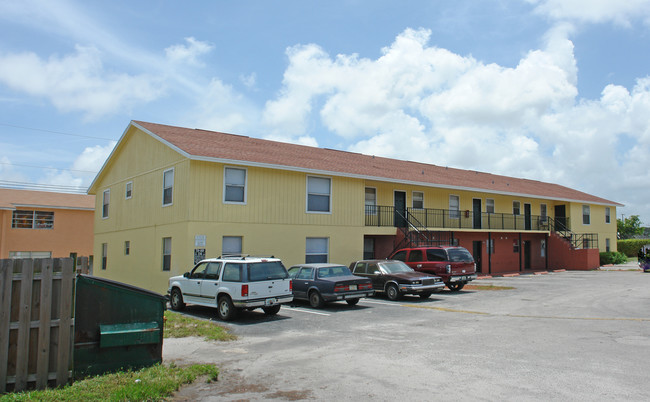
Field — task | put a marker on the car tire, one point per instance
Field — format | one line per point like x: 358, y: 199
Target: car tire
x: 225, y: 309
x: 425, y: 295
x: 176, y: 300
x: 455, y: 287
x: 392, y: 292
x: 273, y: 310
x: 352, y: 302
x: 315, y: 299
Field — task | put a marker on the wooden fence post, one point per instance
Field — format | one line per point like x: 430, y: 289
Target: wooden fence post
x: 6, y: 282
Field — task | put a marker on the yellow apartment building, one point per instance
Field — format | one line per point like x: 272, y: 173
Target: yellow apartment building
x: 168, y: 196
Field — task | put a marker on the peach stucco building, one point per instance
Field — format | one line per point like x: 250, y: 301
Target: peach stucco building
x: 40, y: 224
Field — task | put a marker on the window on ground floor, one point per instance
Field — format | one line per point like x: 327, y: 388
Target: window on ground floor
x: 231, y: 245
x: 543, y: 248
x: 167, y: 253
x: 30, y: 254
x: 368, y: 248
x: 607, y: 245
x: 127, y: 247
x: 104, y: 255
x: 317, y: 249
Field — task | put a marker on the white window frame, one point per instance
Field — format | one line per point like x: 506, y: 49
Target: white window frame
x: 373, y: 210
x: 223, y: 245
x: 128, y: 190
x: 165, y: 188
x: 454, y: 213
x: 307, y: 193
x: 487, y: 205
x: 413, y: 199
x: 608, y: 215
x: 518, y: 207
x: 587, y: 208
x: 127, y: 247
x: 104, y: 256
x: 106, y: 203
x: 543, y: 248
x: 607, y: 245
x: 165, y: 254
x: 327, y: 251
x: 225, y: 185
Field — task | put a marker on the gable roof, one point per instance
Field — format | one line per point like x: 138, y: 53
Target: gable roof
x: 213, y: 146
x: 15, y: 199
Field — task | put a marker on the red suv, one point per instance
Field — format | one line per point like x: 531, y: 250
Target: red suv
x: 455, y: 265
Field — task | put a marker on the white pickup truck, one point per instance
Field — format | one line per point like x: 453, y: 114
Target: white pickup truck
x: 232, y: 284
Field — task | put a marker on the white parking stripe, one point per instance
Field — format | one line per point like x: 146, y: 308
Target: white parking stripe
x: 305, y: 311
x: 380, y: 302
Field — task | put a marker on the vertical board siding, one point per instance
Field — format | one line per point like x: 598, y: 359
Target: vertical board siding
x: 36, y: 322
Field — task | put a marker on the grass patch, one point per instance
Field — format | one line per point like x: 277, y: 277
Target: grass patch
x: 181, y: 326
x: 487, y: 287
x: 149, y: 384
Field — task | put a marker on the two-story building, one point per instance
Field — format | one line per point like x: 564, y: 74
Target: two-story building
x: 169, y: 196
x: 42, y: 224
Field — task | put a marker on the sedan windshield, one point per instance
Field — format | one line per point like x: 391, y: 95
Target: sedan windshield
x: 333, y: 271
x: 395, y: 267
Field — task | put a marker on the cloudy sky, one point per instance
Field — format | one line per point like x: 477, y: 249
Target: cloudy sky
x: 552, y: 90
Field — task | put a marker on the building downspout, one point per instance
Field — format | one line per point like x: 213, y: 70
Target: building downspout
x: 489, y: 250
x: 520, y: 247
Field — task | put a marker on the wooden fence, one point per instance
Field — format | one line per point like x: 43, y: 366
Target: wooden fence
x: 37, y: 321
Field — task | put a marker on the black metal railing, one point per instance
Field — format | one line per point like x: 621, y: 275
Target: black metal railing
x: 379, y: 215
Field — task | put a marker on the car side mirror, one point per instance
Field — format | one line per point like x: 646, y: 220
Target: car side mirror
x: 186, y: 275
x: 377, y: 273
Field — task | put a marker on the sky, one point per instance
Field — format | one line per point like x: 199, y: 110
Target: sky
x: 549, y: 90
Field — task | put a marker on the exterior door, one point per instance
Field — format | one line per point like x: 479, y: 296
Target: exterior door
x: 560, y: 218
x: 477, y: 248
x: 527, y: 217
x: 476, y: 210
x: 526, y: 254
x: 400, y: 209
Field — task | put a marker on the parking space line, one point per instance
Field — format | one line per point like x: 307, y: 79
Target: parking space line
x: 306, y: 311
x: 380, y: 302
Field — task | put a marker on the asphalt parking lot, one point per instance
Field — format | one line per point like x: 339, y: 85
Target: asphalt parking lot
x: 561, y: 336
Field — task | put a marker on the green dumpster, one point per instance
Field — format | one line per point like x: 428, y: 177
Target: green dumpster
x: 116, y: 326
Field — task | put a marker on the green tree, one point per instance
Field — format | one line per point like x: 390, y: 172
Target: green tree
x: 629, y: 227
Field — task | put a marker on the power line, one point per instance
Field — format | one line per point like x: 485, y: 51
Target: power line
x: 55, y: 132
x: 18, y: 185
x: 45, y: 167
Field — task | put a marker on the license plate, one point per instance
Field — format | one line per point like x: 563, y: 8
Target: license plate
x: 353, y: 287
x: 270, y: 302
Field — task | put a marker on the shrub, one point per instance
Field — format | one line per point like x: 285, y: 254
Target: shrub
x: 630, y: 247
x: 610, y: 257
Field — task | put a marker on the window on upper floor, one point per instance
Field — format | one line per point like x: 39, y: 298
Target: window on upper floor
x: 516, y: 208
x: 168, y: 187
x: 608, y: 218
x: 316, y: 249
x: 22, y: 219
x: 586, y: 215
x: 128, y: 190
x: 234, y: 185
x: 418, y: 199
x: 106, y: 198
x: 319, y: 192
x: 542, y: 212
x: 454, y: 207
x: 371, y: 201
x: 489, y: 205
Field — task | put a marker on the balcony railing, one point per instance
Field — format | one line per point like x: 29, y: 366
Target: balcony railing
x: 378, y: 215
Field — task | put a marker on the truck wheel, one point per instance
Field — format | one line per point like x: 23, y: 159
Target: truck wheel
x: 225, y: 309
x: 455, y: 287
x: 177, y: 300
x: 273, y: 310
x: 315, y: 299
x: 392, y: 292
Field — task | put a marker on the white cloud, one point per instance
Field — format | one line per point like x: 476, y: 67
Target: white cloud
x: 595, y: 11
x: 418, y: 102
x: 188, y: 53
x: 77, y: 82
